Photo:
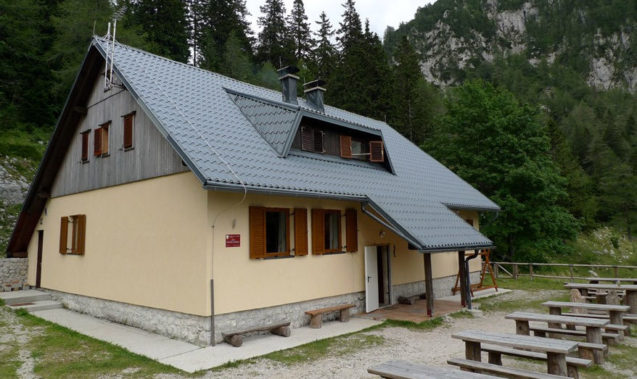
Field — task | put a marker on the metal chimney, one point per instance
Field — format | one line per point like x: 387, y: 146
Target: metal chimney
x: 314, y: 94
x: 288, y: 83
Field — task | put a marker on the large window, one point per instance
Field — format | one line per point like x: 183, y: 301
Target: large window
x: 332, y: 231
x: 327, y: 231
x: 270, y: 232
x: 72, y: 234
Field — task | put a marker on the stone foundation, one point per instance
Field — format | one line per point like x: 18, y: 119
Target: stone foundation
x: 182, y: 326
x: 13, y: 274
x: 196, y: 329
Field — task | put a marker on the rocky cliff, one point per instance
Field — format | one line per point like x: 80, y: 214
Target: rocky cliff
x: 598, y: 39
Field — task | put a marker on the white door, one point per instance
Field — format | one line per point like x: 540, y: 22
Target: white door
x: 371, y: 278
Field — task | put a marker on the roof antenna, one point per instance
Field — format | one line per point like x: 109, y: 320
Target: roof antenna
x: 107, y: 83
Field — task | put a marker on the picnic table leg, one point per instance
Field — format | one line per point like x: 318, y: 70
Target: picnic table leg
x: 472, y: 351
x: 617, y: 318
x: 556, y: 364
x: 594, y: 335
x: 555, y: 311
x: 495, y: 358
x: 631, y: 300
x: 522, y: 327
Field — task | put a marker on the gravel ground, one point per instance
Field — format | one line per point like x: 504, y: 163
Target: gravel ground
x: 14, y: 335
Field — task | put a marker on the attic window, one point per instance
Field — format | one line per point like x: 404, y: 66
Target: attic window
x: 85, y: 136
x: 312, y: 139
x: 376, y: 151
x: 129, y: 121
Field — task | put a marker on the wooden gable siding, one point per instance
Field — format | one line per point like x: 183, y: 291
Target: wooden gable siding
x: 151, y: 155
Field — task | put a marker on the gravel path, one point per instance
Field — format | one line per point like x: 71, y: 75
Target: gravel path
x: 14, y: 335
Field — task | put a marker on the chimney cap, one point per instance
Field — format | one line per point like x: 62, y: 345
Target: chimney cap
x: 287, y: 70
x: 314, y: 84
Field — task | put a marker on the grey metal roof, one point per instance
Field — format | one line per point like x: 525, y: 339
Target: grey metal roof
x: 228, y: 141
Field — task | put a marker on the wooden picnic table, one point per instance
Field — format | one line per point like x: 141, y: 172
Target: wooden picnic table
x: 596, y: 280
x: 593, y: 326
x: 631, y: 291
x: 615, y: 312
x: 403, y: 369
x: 556, y: 350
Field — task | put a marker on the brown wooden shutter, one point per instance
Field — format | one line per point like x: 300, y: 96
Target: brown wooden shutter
x: 257, y: 232
x: 64, y: 230
x: 128, y: 131
x: 307, y: 138
x: 318, y: 231
x: 81, y: 234
x: 346, y: 146
x: 376, y: 151
x: 85, y: 146
x: 351, y: 231
x: 97, y: 142
x: 300, y: 231
x: 104, y: 138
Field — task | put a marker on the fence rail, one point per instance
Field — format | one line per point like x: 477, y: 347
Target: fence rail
x: 515, y: 269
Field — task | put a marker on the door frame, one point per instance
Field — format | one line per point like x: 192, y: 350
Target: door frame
x: 370, y: 263
x: 38, y: 270
x: 376, y: 255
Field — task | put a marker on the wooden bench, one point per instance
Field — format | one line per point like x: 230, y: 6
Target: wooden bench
x: 631, y: 291
x: 572, y: 363
x: 616, y: 314
x: 407, y: 370
x: 506, y: 372
x: 609, y: 338
x: 593, y: 327
x: 317, y: 314
x: 236, y: 338
x: 555, y: 350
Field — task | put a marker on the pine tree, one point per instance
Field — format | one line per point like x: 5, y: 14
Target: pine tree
x: 324, y: 54
x: 165, y: 26
x: 275, y: 45
x: 415, y: 102
x: 351, y: 29
x: 218, y: 20
x: 299, y: 31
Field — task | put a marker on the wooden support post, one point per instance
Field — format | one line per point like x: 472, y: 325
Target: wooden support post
x: 473, y: 351
x: 429, y: 285
x: 515, y: 271
x: 616, y: 271
x: 531, y: 270
x: 496, y: 269
x: 556, y: 364
x: 463, y: 281
x: 522, y: 327
x: 617, y: 318
x: 594, y: 335
x: 570, y: 269
x: 495, y: 358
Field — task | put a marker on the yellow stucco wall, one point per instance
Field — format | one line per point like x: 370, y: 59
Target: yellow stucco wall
x: 242, y: 283
x: 147, y: 243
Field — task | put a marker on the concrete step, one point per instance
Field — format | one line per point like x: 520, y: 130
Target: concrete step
x: 24, y: 296
x: 34, y: 306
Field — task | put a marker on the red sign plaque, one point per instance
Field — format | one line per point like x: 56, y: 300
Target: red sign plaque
x: 233, y: 240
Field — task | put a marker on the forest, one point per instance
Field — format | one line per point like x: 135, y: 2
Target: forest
x: 559, y: 156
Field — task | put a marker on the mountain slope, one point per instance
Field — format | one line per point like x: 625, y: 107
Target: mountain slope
x: 596, y: 38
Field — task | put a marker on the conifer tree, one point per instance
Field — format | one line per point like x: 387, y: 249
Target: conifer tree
x: 218, y: 20
x: 351, y: 29
x: 275, y: 45
x: 299, y: 31
x: 324, y: 54
x: 164, y: 24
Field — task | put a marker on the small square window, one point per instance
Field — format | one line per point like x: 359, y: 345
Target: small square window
x: 85, y: 136
x: 276, y: 232
x: 332, y: 231
x: 100, y: 140
x: 129, y: 123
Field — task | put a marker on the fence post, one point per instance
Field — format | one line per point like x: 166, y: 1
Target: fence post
x: 531, y: 270
x: 616, y: 271
x: 515, y: 271
x: 496, y: 270
x: 570, y: 269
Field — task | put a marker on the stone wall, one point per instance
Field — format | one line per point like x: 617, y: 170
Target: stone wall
x: 182, y: 326
x: 196, y: 329
x: 13, y: 274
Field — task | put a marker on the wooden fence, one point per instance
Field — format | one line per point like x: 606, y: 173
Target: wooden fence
x: 514, y: 269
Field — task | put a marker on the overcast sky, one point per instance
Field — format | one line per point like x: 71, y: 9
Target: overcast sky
x: 380, y: 13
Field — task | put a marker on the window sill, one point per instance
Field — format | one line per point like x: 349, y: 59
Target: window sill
x: 74, y: 254
x: 334, y: 253
x: 86, y: 161
x: 128, y: 148
x: 281, y: 257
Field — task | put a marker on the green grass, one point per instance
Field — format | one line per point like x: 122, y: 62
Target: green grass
x: 525, y: 283
x: 425, y: 325
x: 532, y: 302
x: 336, y: 346
x: 63, y: 353
x: 622, y: 357
x: 462, y: 314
